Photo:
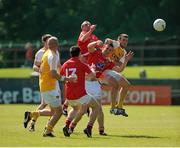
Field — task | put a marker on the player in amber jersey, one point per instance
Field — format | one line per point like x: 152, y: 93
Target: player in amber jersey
x: 36, y: 67
x: 76, y: 95
x: 120, y: 57
x: 49, y: 88
x: 119, y: 53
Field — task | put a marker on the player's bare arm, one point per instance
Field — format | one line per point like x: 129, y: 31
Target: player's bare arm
x: 84, y: 37
x: 120, y: 66
x: 92, y: 45
x: 36, y: 66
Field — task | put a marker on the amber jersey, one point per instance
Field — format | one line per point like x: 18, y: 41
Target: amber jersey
x: 50, y: 61
x: 118, y: 54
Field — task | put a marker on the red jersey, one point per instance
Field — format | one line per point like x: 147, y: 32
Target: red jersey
x: 73, y: 66
x: 100, y: 62
x: 83, y: 45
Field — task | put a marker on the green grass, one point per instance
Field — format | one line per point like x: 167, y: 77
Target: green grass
x: 146, y: 126
x: 153, y: 72
x: 15, y: 72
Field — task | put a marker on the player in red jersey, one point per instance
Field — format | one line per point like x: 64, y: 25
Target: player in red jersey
x: 108, y: 73
x: 76, y: 95
x: 92, y: 85
x: 86, y: 36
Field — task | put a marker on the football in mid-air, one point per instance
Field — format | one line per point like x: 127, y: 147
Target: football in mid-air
x: 159, y: 24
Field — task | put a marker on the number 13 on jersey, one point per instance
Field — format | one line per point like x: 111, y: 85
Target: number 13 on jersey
x: 71, y: 71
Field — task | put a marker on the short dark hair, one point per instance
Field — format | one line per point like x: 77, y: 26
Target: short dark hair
x: 45, y: 37
x: 122, y: 35
x: 74, y: 51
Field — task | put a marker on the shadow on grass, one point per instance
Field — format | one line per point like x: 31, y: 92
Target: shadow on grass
x: 134, y: 136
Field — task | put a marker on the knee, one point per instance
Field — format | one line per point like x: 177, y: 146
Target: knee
x: 81, y: 112
x: 98, y: 107
x: 125, y: 84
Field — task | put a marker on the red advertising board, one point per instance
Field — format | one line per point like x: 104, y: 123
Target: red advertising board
x: 142, y: 95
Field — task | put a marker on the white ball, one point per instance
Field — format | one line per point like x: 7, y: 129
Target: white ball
x: 159, y: 24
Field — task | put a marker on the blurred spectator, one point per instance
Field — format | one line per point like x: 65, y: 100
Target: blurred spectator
x: 29, y: 55
x: 143, y: 74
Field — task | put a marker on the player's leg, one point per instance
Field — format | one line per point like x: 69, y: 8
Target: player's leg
x: 31, y: 127
x: 72, y: 113
x: 35, y: 114
x: 85, y: 101
x: 78, y: 117
x: 30, y: 115
x: 53, y: 99
x: 65, y: 107
x: 100, y: 120
x: 111, y: 81
x: 124, y: 87
x: 93, y: 115
x: 115, y: 80
x: 93, y: 88
x: 42, y: 105
x: 53, y: 120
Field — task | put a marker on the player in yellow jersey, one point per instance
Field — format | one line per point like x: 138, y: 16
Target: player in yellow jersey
x: 120, y: 57
x: 49, y: 87
x: 36, y: 67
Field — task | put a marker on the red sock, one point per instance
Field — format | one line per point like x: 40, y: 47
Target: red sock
x: 89, y: 126
x: 101, y: 129
x: 68, y: 122
x: 65, y: 106
x: 72, y: 126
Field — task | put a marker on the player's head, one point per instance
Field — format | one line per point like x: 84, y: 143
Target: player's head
x: 53, y: 43
x: 44, y: 39
x: 85, y: 26
x: 28, y: 45
x: 74, y: 51
x: 107, y: 49
x: 123, y: 40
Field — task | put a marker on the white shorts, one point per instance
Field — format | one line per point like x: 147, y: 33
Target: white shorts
x: 107, y: 74
x: 93, y: 88
x: 52, y: 98
x: 83, y: 100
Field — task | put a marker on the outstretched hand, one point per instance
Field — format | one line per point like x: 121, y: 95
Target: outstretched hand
x: 129, y: 55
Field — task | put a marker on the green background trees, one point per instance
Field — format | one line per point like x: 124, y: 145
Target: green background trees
x: 27, y: 20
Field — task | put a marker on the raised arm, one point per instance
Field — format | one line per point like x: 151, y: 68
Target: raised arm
x: 85, y: 36
x: 120, y: 66
x: 91, y: 46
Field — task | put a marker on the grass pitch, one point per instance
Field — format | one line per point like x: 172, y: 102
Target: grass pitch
x: 153, y: 72
x: 146, y: 126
